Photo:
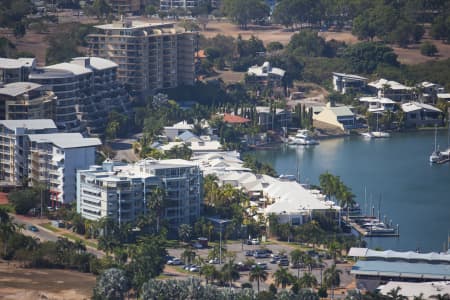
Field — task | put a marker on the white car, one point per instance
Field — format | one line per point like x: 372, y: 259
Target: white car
x: 175, y: 262
x: 255, y: 242
x: 214, y: 261
x: 194, y: 268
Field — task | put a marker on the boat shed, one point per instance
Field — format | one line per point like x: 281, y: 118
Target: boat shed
x: 383, y: 266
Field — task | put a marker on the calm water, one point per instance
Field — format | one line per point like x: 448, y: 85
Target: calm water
x: 413, y: 193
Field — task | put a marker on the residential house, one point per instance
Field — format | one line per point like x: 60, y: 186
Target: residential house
x: 416, y: 290
x: 273, y: 119
x: 265, y: 75
x: 337, y: 116
x: 26, y: 100
x: 377, y: 105
x: 122, y: 191
x: 430, y: 90
x: 343, y: 82
x: 234, y: 119
x: 171, y: 132
x: 421, y: 114
x: 393, y: 90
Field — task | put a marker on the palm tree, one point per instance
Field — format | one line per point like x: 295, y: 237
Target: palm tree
x: 156, y: 204
x: 258, y: 274
x: 185, y: 232
x: 209, y: 271
x: 332, y: 278
x: 188, y: 256
x: 297, y: 256
x: 229, y: 272
x: 283, y: 277
x: 394, y: 294
x: 112, y: 284
x: 308, y: 280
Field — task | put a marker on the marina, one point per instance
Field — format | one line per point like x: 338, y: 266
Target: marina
x: 415, y: 193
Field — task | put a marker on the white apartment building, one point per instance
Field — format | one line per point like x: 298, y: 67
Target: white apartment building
x: 14, y: 148
x: 121, y: 191
x: 13, y: 70
x: 150, y: 56
x: 54, y: 158
x: 166, y: 5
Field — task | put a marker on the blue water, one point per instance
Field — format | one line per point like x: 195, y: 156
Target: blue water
x: 394, y: 172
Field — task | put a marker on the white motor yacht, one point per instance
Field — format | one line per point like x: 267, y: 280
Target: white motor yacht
x: 303, y: 137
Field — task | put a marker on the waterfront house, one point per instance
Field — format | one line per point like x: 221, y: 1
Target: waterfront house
x: 171, y: 132
x: 342, y: 82
x: 393, y: 90
x: 376, y: 104
x: 421, y: 114
x: 277, y: 118
x: 443, y: 96
x: 234, y: 119
x: 377, y: 267
x: 337, y: 116
x: 265, y: 75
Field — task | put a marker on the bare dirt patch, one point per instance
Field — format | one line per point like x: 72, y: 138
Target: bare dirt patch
x: 30, y: 284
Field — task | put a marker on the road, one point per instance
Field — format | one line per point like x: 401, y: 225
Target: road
x: 44, y: 234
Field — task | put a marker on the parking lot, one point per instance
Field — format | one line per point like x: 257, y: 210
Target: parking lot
x: 240, y: 250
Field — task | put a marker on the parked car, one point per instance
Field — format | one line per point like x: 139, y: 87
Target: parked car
x: 214, y: 261
x: 169, y: 258
x: 261, y: 253
x: 175, y: 262
x: 261, y: 265
x: 194, y: 268
x: 249, y: 253
x: 283, y: 262
x: 33, y: 228
x: 297, y: 266
x: 242, y: 267
x: 197, y: 245
x: 255, y: 242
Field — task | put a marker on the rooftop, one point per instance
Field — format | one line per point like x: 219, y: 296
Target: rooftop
x: 381, y: 100
x: 30, y: 124
x: 402, y: 269
x: 411, y: 289
x: 18, y: 88
x: 414, y: 106
x: 392, y: 85
x: 96, y: 63
x: 65, y: 140
x: 408, y: 255
x: 350, y: 76
x: 233, y: 119
x: 8, y: 63
x: 341, y: 111
x: 49, y: 73
x: 265, y: 70
x: 74, y: 68
x: 133, y: 24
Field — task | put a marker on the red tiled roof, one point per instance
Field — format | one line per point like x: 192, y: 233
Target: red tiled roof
x: 233, y: 119
x: 3, y: 198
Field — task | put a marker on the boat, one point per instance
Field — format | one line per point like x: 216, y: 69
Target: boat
x: 376, y: 134
x: 436, y: 155
x: 303, y: 137
x: 381, y: 230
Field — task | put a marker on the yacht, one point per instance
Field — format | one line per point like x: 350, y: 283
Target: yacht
x: 436, y: 154
x: 303, y: 137
x: 376, y: 134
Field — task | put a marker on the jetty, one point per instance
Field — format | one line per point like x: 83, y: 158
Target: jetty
x: 357, y: 225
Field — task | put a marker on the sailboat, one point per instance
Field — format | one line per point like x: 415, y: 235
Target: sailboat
x: 436, y: 154
x: 378, y: 133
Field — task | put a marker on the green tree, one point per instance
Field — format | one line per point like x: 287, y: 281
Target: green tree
x: 112, y: 284
x: 244, y: 12
x: 185, y: 232
x: 308, y: 280
x: 283, y: 277
x: 297, y: 258
x: 147, y: 260
x: 258, y: 274
x: 332, y: 278
x: 229, y: 272
x: 428, y: 49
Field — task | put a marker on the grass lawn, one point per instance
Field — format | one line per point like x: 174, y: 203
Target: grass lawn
x: 77, y: 238
x: 49, y: 226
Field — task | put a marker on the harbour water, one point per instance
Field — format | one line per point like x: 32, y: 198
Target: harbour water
x: 393, y: 173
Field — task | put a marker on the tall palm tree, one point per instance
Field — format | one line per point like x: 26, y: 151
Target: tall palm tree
x: 297, y: 256
x: 308, y: 280
x: 209, y: 271
x: 332, y: 278
x: 156, y: 204
x: 258, y: 274
x: 229, y: 272
x: 185, y: 232
x: 283, y: 277
x: 394, y: 294
x: 188, y: 256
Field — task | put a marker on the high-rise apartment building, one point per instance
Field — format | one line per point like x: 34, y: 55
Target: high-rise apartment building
x: 14, y: 70
x: 149, y: 56
x: 121, y: 191
x: 32, y: 151
x: 184, y: 4
x: 26, y: 100
x: 86, y: 90
x: 126, y: 6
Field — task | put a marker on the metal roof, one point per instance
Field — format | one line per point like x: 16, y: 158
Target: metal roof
x: 350, y: 76
x: 65, y: 140
x: 18, y: 88
x: 34, y: 124
x: 74, y: 68
x: 401, y: 255
x: 402, y: 269
x: 96, y: 63
x: 414, y: 106
x: 8, y: 63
